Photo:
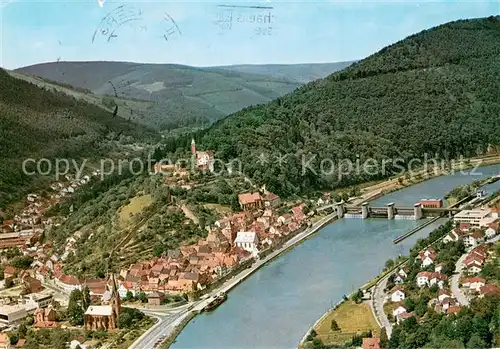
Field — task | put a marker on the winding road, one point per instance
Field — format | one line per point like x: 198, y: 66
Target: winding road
x: 378, y: 305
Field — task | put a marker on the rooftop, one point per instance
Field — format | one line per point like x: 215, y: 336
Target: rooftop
x: 245, y: 237
x: 481, y: 213
x: 103, y: 310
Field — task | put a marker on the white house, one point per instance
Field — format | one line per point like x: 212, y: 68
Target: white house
x: 427, y: 257
x: 403, y: 272
x: 397, y: 294
x: 438, y: 268
x: 437, y: 279
x: 474, y: 269
x: 403, y: 316
x: 398, y: 279
x: 490, y: 232
x: 423, y: 278
x: 247, y: 240
x: 427, y: 260
x: 400, y: 309
x: 443, y: 294
x: 473, y: 283
x: 454, y: 235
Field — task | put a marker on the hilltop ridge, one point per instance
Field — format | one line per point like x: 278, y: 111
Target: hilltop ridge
x: 434, y: 92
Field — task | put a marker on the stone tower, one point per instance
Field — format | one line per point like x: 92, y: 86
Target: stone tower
x: 193, y: 147
x: 115, y: 299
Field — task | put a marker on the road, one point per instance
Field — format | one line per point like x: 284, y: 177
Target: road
x: 170, y: 318
x: 377, y: 304
x: 455, y: 289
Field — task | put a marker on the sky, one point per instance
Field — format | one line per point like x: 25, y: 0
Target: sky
x: 204, y: 33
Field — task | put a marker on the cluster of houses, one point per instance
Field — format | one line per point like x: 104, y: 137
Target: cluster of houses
x: 473, y: 235
x: 235, y: 238
x: 472, y: 284
x: 25, y: 229
x: 473, y: 263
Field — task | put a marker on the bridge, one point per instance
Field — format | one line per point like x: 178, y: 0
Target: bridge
x: 390, y: 211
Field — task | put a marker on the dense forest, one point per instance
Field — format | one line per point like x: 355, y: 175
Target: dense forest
x: 434, y: 93
x: 36, y: 123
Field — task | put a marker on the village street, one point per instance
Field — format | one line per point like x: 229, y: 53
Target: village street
x: 377, y: 304
x: 455, y: 289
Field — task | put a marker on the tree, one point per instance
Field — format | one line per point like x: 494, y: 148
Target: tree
x: 124, y: 320
x: 85, y: 298
x: 384, y: 341
x: 21, y: 262
x: 357, y: 296
x: 75, y: 310
x: 9, y: 282
x: 389, y: 264
x: 142, y: 297
x: 409, y: 304
x: 334, y: 326
x: 475, y: 342
x: 14, y: 338
x: 22, y: 330
x: 448, y: 268
x: 129, y: 296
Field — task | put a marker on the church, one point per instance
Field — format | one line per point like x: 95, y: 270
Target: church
x: 204, y: 160
x: 104, y: 317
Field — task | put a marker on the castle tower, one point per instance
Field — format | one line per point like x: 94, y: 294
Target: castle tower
x: 193, y: 147
x: 115, y: 298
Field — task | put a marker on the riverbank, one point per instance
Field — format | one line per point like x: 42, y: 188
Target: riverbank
x: 177, y: 329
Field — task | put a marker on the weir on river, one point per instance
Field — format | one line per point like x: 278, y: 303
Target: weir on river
x: 275, y: 306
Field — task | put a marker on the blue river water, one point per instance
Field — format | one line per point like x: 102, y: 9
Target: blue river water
x: 276, y: 305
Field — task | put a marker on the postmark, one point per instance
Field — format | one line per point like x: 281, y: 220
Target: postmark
x: 170, y: 27
x: 110, y: 24
x: 258, y: 20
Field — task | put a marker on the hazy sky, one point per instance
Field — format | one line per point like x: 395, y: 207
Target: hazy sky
x: 35, y: 31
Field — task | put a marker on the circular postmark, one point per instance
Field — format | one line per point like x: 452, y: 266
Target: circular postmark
x: 170, y: 27
x: 114, y: 20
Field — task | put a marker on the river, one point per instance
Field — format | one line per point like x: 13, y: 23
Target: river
x: 275, y: 306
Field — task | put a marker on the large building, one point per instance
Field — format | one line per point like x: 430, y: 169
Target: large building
x: 250, y: 201
x: 104, y: 317
x: 11, y: 314
x: 431, y: 203
x: 247, y: 240
x: 476, y: 218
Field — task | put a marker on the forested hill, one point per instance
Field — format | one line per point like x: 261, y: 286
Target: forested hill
x: 434, y: 92
x: 43, y: 122
x: 175, y: 96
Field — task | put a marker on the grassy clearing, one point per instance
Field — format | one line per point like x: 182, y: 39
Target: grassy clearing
x: 352, y: 319
x: 220, y: 209
x: 136, y: 205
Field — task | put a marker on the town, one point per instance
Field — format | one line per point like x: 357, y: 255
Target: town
x: 36, y: 286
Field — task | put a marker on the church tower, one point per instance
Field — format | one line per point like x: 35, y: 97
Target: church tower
x: 193, y: 147
x: 115, y: 299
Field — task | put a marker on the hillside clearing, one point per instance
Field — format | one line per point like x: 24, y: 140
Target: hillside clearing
x: 136, y: 205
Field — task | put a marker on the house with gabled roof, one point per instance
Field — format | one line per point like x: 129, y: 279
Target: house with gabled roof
x: 397, y: 294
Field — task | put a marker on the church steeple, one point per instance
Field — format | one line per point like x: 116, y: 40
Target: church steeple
x: 115, y: 297
x: 193, y: 147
